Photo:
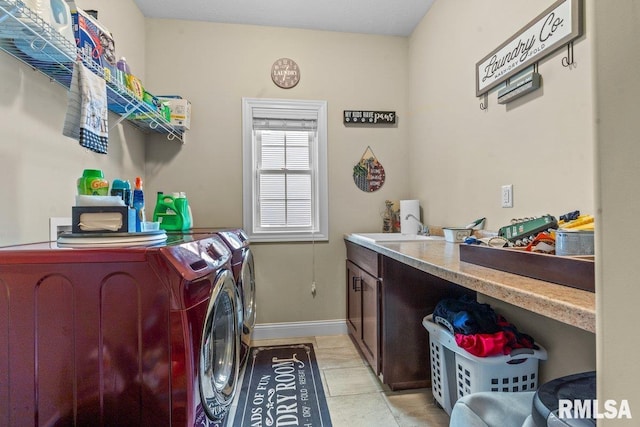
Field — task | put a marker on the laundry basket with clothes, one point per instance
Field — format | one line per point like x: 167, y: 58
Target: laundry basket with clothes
x: 479, y: 329
x: 473, y: 349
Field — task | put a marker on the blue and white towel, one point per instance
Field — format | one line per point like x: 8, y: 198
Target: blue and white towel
x: 87, y: 112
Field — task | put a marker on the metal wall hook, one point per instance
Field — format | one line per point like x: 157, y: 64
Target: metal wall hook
x: 567, y: 61
x: 484, y: 104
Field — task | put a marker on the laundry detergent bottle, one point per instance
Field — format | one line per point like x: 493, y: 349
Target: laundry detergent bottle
x: 172, y: 212
x: 189, y: 214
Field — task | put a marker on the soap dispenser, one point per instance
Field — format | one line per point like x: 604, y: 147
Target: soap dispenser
x: 138, y: 204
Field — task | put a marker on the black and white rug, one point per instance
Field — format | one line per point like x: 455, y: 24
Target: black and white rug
x: 282, y: 387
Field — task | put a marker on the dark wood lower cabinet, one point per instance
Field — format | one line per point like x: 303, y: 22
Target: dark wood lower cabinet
x: 386, y: 302
x: 363, y: 311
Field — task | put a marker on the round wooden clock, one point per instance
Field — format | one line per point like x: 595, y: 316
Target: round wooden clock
x: 285, y: 73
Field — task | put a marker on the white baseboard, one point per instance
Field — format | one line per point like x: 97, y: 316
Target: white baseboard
x: 267, y: 331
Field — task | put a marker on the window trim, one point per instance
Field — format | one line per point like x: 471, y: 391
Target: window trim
x: 248, y: 170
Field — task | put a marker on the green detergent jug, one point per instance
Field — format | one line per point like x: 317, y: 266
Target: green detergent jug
x: 172, y: 212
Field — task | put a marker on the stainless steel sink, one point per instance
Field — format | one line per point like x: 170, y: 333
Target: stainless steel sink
x: 395, y: 237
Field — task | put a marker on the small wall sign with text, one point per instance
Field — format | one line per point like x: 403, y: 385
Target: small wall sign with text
x: 553, y: 28
x: 369, y: 117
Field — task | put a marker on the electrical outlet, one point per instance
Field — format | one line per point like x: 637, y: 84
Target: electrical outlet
x: 507, y: 196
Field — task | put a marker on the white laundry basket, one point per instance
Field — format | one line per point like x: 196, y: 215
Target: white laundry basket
x: 456, y: 372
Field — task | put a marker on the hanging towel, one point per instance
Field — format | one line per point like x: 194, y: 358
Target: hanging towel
x: 87, y: 112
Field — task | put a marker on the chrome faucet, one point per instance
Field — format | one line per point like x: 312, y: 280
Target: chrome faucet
x: 422, y: 230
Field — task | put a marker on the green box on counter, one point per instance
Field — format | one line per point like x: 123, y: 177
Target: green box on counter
x: 103, y: 219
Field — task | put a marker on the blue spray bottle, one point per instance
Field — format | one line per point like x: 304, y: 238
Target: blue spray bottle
x: 138, y: 204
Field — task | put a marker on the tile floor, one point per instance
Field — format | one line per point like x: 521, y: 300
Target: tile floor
x: 356, y: 398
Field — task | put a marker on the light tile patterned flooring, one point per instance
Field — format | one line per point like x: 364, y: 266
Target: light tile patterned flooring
x: 356, y: 398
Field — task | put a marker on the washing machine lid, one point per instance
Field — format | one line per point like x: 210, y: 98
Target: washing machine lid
x: 546, y: 402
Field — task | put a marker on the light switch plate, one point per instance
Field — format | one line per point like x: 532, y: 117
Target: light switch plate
x: 507, y: 196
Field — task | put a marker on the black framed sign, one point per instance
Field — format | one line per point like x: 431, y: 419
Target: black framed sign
x: 553, y: 28
x: 369, y: 117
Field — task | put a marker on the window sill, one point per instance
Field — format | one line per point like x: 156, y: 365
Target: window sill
x: 284, y: 238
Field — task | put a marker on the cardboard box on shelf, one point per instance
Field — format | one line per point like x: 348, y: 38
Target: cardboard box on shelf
x: 95, y: 42
x: 180, y: 110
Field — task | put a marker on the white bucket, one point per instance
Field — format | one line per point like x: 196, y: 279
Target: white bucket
x: 456, y: 235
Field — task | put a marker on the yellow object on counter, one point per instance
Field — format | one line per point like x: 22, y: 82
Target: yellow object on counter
x: 584, y: 227
x: 582, y: 221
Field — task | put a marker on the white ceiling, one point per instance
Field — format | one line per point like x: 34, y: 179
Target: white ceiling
x: 386, y: 17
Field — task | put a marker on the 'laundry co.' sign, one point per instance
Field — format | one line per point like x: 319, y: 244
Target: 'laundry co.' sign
x: 556, y: 26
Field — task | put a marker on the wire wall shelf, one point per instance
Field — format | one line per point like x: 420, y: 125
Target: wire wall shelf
x: 28, y: 38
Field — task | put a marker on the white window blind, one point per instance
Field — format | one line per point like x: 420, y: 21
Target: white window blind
x: 284, y: 178
x: 286, y: 172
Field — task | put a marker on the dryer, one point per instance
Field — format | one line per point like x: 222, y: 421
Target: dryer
x: 242, y: 265
x: 118, y: 336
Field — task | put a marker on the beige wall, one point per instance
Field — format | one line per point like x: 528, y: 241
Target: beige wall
x: 214, y: 66
x: 39, y: 165
x: 461, y: 155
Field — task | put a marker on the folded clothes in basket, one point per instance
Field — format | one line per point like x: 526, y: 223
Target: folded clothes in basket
x: 478, y: 329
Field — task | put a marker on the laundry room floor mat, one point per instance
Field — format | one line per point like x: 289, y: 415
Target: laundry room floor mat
x: 282, y: 387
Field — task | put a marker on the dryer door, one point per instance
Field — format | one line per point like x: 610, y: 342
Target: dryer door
x: 219, y: 354
x: 247, y: 286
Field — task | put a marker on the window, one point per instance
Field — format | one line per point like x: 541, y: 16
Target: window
x: 285, y: 170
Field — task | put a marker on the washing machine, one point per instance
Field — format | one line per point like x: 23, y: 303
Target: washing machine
x: 205, y: 336
x: 118, y: 336
x: 243, y: 271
